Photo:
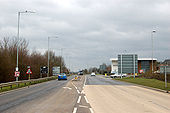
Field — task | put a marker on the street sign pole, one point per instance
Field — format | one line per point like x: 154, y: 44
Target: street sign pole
x: 165, y: 78
x: 29, y: 76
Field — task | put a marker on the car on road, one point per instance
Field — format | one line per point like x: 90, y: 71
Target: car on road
x: 80, y: 73
x: 116, y: 75
x: 62, y: 76
x: 93, y: 74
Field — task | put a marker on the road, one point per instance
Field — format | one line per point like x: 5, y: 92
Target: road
x: 109, y: 96
x: 85, y: 95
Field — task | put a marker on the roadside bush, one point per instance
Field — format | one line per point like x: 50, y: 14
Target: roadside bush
x: 157, y: 76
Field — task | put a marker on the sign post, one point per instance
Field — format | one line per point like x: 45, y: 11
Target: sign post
x: 29, y: 72
x: 165, y: 77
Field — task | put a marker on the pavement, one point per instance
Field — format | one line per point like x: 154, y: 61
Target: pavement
x: 85, y: 95
x: 109, y: 96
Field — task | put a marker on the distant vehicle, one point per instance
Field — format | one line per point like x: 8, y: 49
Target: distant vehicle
x: 93, y: 74
x: 62, y: 76
x: 116, y: 75
x: 80, y: 73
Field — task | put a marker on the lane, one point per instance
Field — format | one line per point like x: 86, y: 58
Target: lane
x: 109, y: 96
x: 82, y: 105
x: 15, y: 98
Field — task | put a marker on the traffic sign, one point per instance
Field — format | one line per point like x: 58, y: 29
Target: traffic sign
x: 17, y: 73
x: 44, y: 70
x: 29, y: 71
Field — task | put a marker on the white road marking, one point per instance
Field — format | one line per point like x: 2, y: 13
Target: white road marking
x: 78, y: 91
x: 84, y: 82
x: 86, y: 99
x: 74, y: 85
x: 82, y: 92
x: 78, y: 101
x: 83, y: 106
x: 67, y: 88
x: 75, y: 110
x: 91, y: 110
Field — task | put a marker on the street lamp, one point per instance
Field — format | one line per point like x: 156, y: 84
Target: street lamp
x: 49, y: 55
x: 19, y: 13
x: 153, y: 31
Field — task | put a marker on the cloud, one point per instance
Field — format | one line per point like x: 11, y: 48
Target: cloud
x: 91, y: 31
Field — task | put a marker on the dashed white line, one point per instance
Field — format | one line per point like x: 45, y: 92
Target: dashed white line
x: 84, y: 81
x: 86, y: 99
x: 78, y: 101
x: 91, y: 110
x: 78, y: 91
x: 75, y: 110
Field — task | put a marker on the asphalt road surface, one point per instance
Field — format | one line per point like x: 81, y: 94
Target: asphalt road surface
x: 109, y: 96
x: 85, y: 95
x: 65, y: 96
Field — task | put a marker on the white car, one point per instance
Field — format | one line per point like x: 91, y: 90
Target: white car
x: 93, y: 74
x: 116, y: 75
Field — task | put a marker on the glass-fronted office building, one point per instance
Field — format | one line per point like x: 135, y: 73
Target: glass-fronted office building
x: 127, y: 63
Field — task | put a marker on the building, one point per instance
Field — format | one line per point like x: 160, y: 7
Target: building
x: 127, y: 63
x: 103, y: 68
x: 114, y: 65
x: 162, y: 66
x: 145, y: 65
x: 142, y: 65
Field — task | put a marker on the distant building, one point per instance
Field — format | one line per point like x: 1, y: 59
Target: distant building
x: 167, y: 61
x: 131, y: 63
x: 103, y: 68
x: 162, y: 66
x: 145, y: 64
x: 127, y: 63
x: 114, y: 65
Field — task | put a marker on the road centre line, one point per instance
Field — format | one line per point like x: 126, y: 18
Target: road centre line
x: 84, y: 82
x: 86, y: 99
x: 78, y: 91
x: 91, y: 110
x: 75, y: 110
x: 74, y: 85
x: 78, y: 101
x: 82, y: 92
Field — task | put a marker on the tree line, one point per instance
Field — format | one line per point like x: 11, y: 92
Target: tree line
x: 8, y: 56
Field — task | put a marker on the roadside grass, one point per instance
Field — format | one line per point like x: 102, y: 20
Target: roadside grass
x: 146, y: 82
x: 15, y: 86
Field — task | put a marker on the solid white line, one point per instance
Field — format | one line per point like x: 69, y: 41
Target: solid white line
x: 86, y: 99
x: 75, y: 110
x: 78, y: 101
x: 91, y: 110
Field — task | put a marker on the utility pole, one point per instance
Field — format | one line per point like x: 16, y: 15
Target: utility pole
x: 48, y: 62
x: 19, y: 13
x: 153, y: 31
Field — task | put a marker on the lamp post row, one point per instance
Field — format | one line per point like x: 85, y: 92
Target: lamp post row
x: 19, y: 13
x: 18, y: 37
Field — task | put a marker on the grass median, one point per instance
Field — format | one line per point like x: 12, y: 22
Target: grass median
x: 19, y: 85
x: 147, y: 82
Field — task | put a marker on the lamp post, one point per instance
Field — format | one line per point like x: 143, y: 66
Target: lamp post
x: 49, y: 55
x: 153, y: 31
x: 19, y: 13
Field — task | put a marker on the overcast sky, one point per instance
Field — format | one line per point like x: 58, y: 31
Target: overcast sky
x: 90, y: 31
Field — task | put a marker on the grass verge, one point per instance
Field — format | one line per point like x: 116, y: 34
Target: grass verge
x: 7, y: 88
x: 147, y: 82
